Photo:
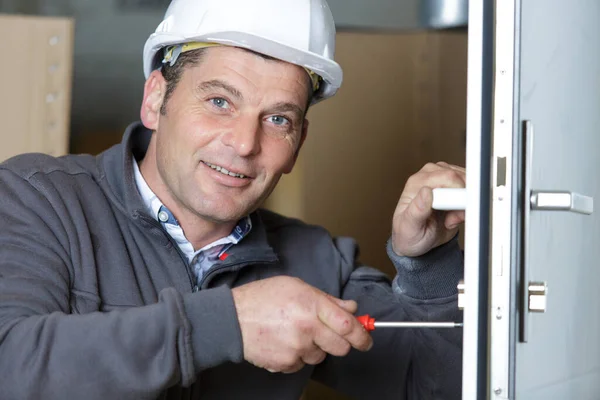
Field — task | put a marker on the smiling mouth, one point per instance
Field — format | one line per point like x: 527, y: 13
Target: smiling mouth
x: 224, y: 171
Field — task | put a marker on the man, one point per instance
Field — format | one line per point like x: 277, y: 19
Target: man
x: 149, y: 272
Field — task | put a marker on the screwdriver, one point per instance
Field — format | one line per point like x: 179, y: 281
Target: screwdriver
x: 370, y: 324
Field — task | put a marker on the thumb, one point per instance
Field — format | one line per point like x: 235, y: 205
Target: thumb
x: 419, y: 210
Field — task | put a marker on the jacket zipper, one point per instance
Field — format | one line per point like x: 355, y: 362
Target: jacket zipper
x: 157, y: 224
x: 222, y: 268
x: 212, y: 272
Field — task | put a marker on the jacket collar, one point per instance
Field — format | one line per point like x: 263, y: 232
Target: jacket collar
x: 117, y: 174
x: 116, y: 169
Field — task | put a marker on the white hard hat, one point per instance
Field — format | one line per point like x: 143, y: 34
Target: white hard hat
x: 301, y: 32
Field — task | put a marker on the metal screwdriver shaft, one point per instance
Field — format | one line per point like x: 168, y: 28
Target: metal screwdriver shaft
x: 418, y: 324
x: 370, y: 324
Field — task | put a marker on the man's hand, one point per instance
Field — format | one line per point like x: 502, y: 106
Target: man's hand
x: 417, y: 228
x: 287, y: 323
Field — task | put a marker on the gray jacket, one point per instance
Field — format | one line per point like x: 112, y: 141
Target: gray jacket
x: 96, y: 302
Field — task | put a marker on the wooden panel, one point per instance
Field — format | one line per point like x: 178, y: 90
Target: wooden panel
x: 35, y: 77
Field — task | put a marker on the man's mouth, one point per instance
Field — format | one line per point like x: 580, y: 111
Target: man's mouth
x: 225, y: 171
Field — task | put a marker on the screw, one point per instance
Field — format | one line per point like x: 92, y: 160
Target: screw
x: 497, y: 391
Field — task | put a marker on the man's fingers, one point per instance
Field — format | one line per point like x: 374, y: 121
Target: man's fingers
x: 314, y: 356
x: 440, y: 175
x: 359, y: 338
x: 344, y: 324
x: 443, y: 178
x: 453, y: 219
x: 416, y: 226
x: 451, y: 166
x: 284, y: 323
x: 446, y: 178
x: 431, y: 167
x: 419, y: 210
x: 331, y: 342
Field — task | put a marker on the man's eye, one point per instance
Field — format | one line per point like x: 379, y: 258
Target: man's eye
x: 279, y: 120
x: 219, y: 102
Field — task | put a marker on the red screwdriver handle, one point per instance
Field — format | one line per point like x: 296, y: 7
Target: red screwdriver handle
x: 367, y: 322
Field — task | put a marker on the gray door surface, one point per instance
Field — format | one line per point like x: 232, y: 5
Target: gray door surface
x: 560, y: 96
x: 544, y: 313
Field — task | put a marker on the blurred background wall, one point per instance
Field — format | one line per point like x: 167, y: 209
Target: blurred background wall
x: 110, y: 34
x: 402, y: 104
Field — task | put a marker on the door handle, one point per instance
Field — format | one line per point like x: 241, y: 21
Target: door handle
x: 448, y: 199
x: 561, y: 201
x: 558, y: 200
x: 533, y: 298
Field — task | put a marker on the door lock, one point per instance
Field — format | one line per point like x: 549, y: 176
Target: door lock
x: 537, y: 292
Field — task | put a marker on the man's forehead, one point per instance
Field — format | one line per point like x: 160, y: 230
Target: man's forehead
x: 220, y: 58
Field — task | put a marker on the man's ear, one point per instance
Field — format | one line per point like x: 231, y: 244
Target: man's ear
x: 154, y: 93
x: 302, y: 139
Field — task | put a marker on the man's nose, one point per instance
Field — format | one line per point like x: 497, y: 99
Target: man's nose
x: 244, y: 137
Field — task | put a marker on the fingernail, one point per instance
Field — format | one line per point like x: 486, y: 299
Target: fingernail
x: 370, y: 346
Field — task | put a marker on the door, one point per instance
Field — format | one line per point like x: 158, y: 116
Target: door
x: 532, y: 240
x: 557, y: 354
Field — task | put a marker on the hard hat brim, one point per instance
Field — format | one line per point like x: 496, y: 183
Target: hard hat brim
x: 329, y: 70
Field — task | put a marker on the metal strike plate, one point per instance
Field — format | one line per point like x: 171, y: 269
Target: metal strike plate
x: 537, y: 292
x: 461, y: 295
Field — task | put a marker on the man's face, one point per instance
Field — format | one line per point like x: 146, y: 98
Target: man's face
x: 233, y: 125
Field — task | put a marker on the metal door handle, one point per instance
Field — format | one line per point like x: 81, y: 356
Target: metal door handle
x: 562, y: 201
x: 559, y: 200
